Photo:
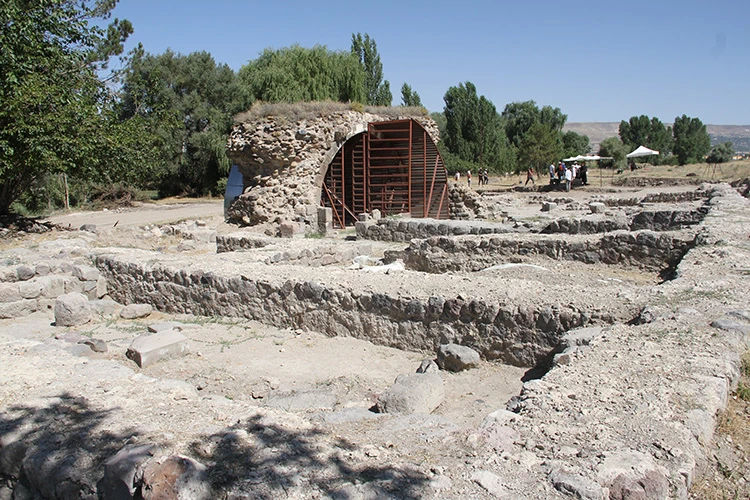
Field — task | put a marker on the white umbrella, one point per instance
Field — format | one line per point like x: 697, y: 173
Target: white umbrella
x: 642, y: 151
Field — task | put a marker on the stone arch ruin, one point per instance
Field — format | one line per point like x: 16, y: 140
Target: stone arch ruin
x: 289, y: 166
x: 393, y: 167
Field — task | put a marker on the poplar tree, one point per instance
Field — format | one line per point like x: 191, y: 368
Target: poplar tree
x: 377, y: 90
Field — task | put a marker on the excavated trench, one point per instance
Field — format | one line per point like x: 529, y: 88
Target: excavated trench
x: 512, y: 297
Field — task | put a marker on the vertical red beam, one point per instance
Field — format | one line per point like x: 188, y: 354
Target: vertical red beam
x: 365, y: 172
x: 343, y: 181
x: 424, y: 173
x: 411, y: 122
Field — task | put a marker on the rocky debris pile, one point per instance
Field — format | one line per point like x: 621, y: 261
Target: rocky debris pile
x: 653, y: 252
x: 467, y: 204
x: 282, y: 160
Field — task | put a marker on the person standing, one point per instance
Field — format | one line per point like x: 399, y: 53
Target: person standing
x: 468, y: 178
x: 457, y: 177
x: 584, y: 174
x: 568, y: 178
x: 530, y: 176
x: 551, y: 174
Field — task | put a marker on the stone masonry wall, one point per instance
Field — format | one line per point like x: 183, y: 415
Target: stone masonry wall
x: 518, y: 334
x: 645, y: 249
x: 284, y: 161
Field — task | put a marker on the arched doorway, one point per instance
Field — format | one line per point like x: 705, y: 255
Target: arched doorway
x: 394, y: 167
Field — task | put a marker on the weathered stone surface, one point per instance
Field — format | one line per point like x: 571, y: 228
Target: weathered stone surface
x: 176, y: 478
x: 25, y: 272
x: 148, y: 349
x: 30, y: 289
x: 428, y: 366
x: 597, y: 207
x: 120, y: 472
x: 9, y: 292
x: 52, y: 286
x: 72, y: 309
x: 135, y: 311
x: 575, y: 485
x: 631, y: 475
x: 455, y: 358
x: 413, y: 393
x: 548, y: 206
x: 105, y: 308
x: 96, y: 345
x: 86, y: 273
x: 492, y: 483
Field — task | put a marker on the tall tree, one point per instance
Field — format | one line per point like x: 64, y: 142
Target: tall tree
x: 691, y: 141
x: 614, y: 148
x: 53, y: 112
x: 575, y: 144
x: 721, y: 153
x: 540, y: 146
x: 187, y: 104
x: 410, y: 97
x: 295, y: 73
x: 377, y: 90
x: 473, y: 129
x: 520, y: 116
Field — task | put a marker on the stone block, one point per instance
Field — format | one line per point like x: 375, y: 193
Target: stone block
x: 119, y: 482
x: 376, y: 216
x: 72, y: 309
x: 413, y: 393
x: 548, y: 206
x: 597, y: 207
x: 364, y: 217
x: 86, y: 273
x: 30, y: 289
x: 146, y: 350
x: 101, y: 287
x: 73, y: 285
x: 52, y: 286
x: 135, y: 311
x: 176, y: 477
x: 325, y: 214
x: 9, y: 292
x: 455, y: 358
x: 89, y: 289
x: 17, y: 309
x: 291, y: 229
x: 105, y: 308
x: 25, y: 273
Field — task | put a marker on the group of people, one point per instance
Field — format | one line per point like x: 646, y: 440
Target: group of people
x: 484, y: 177
x: 564, y: 175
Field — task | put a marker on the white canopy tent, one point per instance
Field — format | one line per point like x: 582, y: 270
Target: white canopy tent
x: 642, y: 151
x: 587, y: 158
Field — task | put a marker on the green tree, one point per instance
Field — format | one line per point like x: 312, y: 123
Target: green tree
x: 721, y: 153
x: 54, y: 106
x: 575, y: 144
x: 295, y: 73
x: 441, y: 122
x: 473, y: 129
x: 614, y: 148
x: 691, y: 141
x: 540, y: 146
x: 410, y: 97
x: 520, y: 116
x: 649, y: 132
x: 186, y: 103
x: 377, y: 90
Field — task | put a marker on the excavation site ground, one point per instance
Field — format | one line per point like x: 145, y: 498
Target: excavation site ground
x: 609, y: 325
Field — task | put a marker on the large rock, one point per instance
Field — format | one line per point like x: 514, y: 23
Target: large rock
x: 72, y: 309
x: 632, y: 475
x: 455, y: 358
x: 176, y: 478
x: 413, y: 393
x: 119, y: 481
x: 148, y: 349
x: 135, y: 311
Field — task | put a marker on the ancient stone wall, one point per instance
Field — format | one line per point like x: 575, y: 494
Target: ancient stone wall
x: 646, y: 250
x: 284, y: 160
x: 522, y: 335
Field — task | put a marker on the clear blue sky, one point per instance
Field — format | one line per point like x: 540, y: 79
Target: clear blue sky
x: 596, y: 60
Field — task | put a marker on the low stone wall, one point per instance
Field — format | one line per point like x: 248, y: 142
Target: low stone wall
x: 406, y: 229
x: 239, y: 242
x: 26, y: 289
x: 521, y: 335
x: 646, y: 250
x: 653, y: 220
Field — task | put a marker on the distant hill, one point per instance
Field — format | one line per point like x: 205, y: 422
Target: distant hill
x: 738, y: 135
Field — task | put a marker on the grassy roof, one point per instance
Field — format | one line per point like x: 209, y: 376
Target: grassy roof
x: 304, y: 110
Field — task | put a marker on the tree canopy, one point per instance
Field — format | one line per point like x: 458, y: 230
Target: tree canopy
x: 613, y: 147
x: 649, y: 132
x: 410, y: 97
x: 53, y: 113
x: 186, y: 103
x: 377, y: 90
x: 721, y: 153
x: 295, y: 73
x: 691, y: 141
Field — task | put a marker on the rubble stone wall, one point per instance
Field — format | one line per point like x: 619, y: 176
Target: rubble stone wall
x: 521, y: 335
x: 644, y: 249
x: 284, y: 161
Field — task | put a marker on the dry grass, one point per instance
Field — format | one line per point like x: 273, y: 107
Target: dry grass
x: 305, y: 110
x: 698, y: 172
x: 730, y: 479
